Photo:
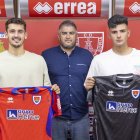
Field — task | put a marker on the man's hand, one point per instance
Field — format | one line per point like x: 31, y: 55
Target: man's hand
x: 56, y: 88
x: 89, y: 83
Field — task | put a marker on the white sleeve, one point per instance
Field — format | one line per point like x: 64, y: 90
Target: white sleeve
x: 92, y: 72
x: 46, y: 78
x: 93, y: 68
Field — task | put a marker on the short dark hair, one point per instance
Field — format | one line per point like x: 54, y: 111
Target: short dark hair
x: 19, y: 21
x: 116, y: 20
x: 67, y: 23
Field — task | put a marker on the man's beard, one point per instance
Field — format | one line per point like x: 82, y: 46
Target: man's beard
x: 16, y: 46
x: 69, y: 46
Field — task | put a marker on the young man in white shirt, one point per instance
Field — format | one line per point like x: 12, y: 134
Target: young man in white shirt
x: 19, y: 67
x: 121, y: 59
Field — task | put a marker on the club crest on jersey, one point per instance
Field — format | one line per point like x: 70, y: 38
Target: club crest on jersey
x: 36, y: 99
x: 135, y: 93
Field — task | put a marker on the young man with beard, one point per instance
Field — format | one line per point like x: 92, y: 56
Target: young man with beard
x: 19, y: 67
x: 68, y: 65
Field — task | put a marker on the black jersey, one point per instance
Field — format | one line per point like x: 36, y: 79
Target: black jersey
x: 117, y: 107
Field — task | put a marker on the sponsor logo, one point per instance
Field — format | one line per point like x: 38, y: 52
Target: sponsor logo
x: 12, y: 114
x: 19, y: 114
x: 36, y: 99
x: 93, y: 41
x: 66, y: 8
x: 110, y: 93
x: 135, y: 8
x: 10, y: 100
x: 42, y: 8
x: 112, y: 106
x: 135, y: 93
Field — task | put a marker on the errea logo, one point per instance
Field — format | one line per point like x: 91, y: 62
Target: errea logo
x: 66, y: 8
x: 42, y: 8
x: 110, y: 93
x: 135, y: 8
x: 10, y: 100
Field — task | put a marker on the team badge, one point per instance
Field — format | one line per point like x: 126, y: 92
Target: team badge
x: 92, y: 41
x: 135, y: 93
x: 36, y: 99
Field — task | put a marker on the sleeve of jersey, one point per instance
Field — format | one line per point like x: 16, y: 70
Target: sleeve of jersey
x: 56, y: 105
x: 54, y: 110
x: 0, y: 130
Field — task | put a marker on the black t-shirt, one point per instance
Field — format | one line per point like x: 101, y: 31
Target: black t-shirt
x: 117, y: 107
